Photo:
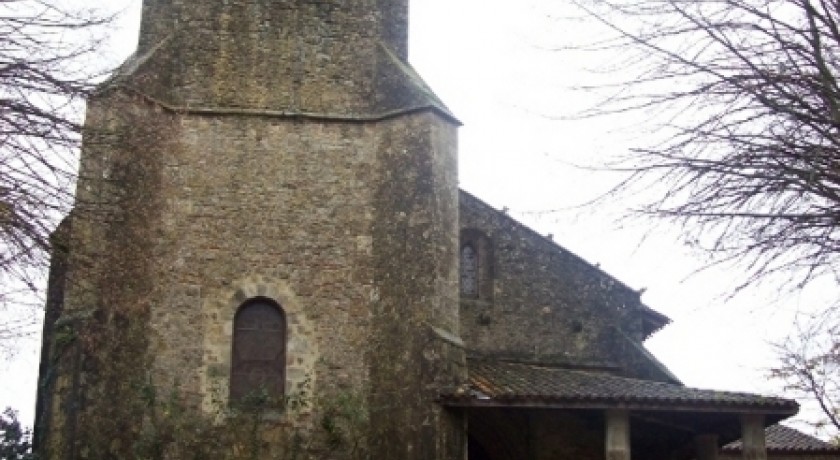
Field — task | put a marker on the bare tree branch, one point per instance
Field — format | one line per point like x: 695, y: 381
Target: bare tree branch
x: 745, y: 99
x: 809, y: 364
x: 46, y: 55
x: 747, y: 142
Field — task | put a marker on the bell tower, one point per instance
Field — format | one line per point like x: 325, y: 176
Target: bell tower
x: 384, y: 20
x: 296, y: 56
x: 278, y: 157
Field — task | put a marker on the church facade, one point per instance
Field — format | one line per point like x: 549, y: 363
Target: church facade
x: 269, y: 257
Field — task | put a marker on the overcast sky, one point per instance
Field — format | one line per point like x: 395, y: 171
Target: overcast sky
x: 490, y: 62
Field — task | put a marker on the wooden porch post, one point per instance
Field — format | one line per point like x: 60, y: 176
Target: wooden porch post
x: 752, y: 437
x: 706, y: 446
x: 618, y: 435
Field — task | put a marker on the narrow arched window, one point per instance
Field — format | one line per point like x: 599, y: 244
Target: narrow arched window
x: 258, y: 364
x: 469, y: 271
x: 476, y: 260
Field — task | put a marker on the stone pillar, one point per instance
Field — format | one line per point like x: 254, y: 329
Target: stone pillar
x: 706, y: 446
x: 618, y: 435
x: 752, y: 437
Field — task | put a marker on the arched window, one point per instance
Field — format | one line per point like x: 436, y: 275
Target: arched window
x: 258, y: 364
x: 476, y: 260
x: 469, y: 271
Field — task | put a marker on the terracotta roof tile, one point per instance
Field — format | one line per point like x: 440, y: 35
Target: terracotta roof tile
x: 493, y: 382
x: 780, y: 438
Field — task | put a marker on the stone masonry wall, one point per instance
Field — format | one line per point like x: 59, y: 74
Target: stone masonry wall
x: 415, y: 267
x: 277, y: 149
x: 283, y: 204
x: 98, y: 352
x: 539, y: 302
x: 302, y: 56
x: 349, y: 227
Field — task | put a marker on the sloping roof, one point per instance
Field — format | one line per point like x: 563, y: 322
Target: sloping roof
x: 399, y: 88
x: 782, y: 439
x: 653, y: 320
x: 652, y: 360
x: 494, y: 383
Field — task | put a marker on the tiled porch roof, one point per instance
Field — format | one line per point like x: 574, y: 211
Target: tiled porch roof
x: 782, y: 439
x: 494, y: 383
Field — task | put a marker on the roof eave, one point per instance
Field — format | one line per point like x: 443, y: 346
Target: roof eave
x: 656, y: 406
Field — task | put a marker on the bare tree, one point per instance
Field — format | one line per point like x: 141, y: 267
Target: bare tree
x: 809, y: 365
x: 47, y: 51
x: 746, y: 150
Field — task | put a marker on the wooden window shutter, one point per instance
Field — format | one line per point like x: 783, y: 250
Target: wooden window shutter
x: 258, y: 366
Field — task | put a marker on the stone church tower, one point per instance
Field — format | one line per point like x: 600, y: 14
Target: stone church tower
x: 259, y: 169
